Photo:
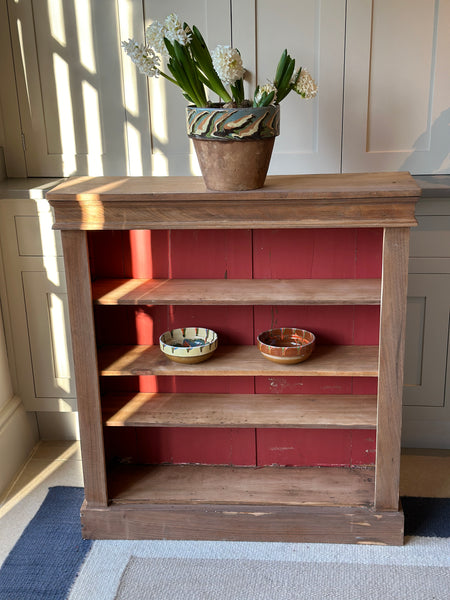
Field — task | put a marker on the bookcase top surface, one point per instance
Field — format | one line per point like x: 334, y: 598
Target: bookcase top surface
x: 331, y: 200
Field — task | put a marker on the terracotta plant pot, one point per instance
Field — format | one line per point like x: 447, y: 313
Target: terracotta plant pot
x: 233, y: 145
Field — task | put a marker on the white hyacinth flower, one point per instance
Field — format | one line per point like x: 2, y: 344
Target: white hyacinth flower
x: 306, y: 86
x: 154, y: 36
x: 228, y: 64
x: 143, y: 57
x: 265, y: 90
x: 173, y: 30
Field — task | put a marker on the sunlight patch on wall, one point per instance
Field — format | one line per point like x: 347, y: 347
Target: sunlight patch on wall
x: 58, y: 320
x: 56, y: 18
x: 50, y: 252
x: 194, y: 167
x: 159, y: 110
x: 24, y: 64
x: 158, y: 107
x: 130, y: 72
x: 93, y: 129
x: 133, y: 135
x: 160, y: 164
x: 131, y: 100
x: 65, y: 114
x: 85, y: 34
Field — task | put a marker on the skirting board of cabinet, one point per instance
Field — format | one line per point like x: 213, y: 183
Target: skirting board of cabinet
x: 310, y: 524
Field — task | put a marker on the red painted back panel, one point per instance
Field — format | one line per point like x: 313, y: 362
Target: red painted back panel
x: 321, y: 447
x: 335, y: 253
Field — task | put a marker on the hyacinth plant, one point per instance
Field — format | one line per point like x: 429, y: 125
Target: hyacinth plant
x: 194, y: 69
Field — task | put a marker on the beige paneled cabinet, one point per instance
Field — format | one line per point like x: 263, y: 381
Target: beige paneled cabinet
x: 93, y: 113
x: 426, y: 396
x: 35, y: 310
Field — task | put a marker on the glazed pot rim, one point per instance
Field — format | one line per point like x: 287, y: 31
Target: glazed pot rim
x: 220, y: 106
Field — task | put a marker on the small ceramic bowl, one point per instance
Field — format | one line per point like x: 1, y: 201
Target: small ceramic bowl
x: 189, y: 344
x: 286, y: 345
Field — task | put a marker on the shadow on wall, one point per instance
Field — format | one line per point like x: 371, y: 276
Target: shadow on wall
x: 436, y: 156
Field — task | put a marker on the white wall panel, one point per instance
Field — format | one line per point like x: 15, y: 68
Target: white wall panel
x: 67, y: 58
x: 172, y: 152
x: 397, y: 89
x: 313, y: 33
x: 85, y: 109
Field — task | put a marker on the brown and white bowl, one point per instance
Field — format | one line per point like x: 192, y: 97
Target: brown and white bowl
x: 287, y: 345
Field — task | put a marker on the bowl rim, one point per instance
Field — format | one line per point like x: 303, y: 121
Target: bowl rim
x: 163, y: 344
x: 262, y: 343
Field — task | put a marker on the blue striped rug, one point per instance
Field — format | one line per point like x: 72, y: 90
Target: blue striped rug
x: 46, y: 559
x: 52, y: 562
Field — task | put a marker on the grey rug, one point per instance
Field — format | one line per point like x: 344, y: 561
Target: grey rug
x: 188, y: 570
x: 206, y: 579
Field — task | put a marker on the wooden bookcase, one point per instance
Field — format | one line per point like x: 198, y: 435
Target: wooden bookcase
x: 316, y: 504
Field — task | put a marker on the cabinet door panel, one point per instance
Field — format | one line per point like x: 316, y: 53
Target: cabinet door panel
x: 432, y: 238
x: 312, y: 31
x: 396, y: 86
x: 49, y: 335
x: 35, y: 236
x: 426, y: 340
x: 426, y: 397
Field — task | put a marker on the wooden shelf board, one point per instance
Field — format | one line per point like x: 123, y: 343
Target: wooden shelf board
x: 240, y: 410
x: 200, y: 484
x: 343, y: 361
x: 236, y: 291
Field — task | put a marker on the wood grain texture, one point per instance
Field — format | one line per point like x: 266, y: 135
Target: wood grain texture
x: 110, y: 292
x: 234, y: 214
x: 336, y: 200
x: 345, y: 185
x: 341, y: 361
x: 194, y: 484
x: 85, y: 356
x: 240, y: 410
x: 197, y: 502
x: 257, y: 523
x: 391, y: 360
